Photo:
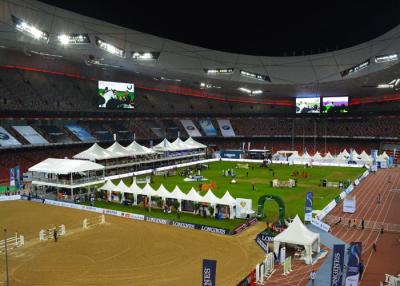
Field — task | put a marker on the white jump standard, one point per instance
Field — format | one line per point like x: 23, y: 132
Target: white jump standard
x: 45, y: 234
x: 88, y: 222
x: 12, y: 242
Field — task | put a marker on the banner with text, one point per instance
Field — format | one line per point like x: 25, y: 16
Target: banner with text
x: 337, y: 265
x: 209, y: 272
x: 6, y: 139
x: 190, y: 128
x: 17, y: 177
x: 226, y: 128
x: 30, y: 134
x: 353, y: 266
x: 309, y: 206
x: 12, y: 176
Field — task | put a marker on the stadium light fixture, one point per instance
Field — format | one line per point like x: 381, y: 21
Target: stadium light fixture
x: 386, y: 58
x: 355, y: 69
x: 170, y: 79
x: 67, y: 39
x: 204, y: 85
x: 251, y: 92
x: 145, y: 56
x: 255, y: 75
x: 110, y: 48
x: 394, y: 83
x: 219, y: 71
x: 30, y: 29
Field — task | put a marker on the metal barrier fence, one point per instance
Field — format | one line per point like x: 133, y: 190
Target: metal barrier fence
x: 368, y: 224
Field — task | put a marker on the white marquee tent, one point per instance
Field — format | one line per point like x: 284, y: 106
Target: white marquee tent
x: 191, y: 142
x: 117, y: 150
x: 65, y: 166
x: 298, y: 234
x: 95, y: 152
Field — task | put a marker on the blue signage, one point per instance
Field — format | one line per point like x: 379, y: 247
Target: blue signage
x: 17, y: 177
x: 309, y: 206
x: 337, y: 265
x: 209, y: 272
x: 353, y: 266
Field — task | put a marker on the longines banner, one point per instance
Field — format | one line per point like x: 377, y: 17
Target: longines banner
x: 353, y: 270
x: 226, y: 128
x: 190, y: 128
x: 209, y: 272
x: 337, y: 265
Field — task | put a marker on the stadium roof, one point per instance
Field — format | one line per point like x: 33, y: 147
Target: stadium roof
x: 350, y: 71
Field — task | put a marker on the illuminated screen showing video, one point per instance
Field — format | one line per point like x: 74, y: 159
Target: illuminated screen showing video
x: 308, y: 105
x: 335, y: 104
x: 116, y: 94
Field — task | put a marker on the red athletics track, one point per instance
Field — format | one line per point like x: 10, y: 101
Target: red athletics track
x: 386, y: 259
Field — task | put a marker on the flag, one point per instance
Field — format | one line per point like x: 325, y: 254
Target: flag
x: 309, y: 206
x: 353, y: 266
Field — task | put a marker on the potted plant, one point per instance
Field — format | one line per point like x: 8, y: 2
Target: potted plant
x: 211, y: 210
x: 176, y: 205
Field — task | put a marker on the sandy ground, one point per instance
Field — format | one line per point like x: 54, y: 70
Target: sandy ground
x: 121, y: 252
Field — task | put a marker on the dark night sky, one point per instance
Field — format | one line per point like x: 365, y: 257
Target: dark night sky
x: 271, y: 29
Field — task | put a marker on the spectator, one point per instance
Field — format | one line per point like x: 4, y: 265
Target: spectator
x: 362, y: 223
x: 313, y: 275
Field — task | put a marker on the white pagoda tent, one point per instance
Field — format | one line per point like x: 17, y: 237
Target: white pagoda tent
x: 95, y: 152
x: 119, y: 151
x: 298, y: 234
x: 165, y: 146
x: 196, y: 145
x: 228, y: 200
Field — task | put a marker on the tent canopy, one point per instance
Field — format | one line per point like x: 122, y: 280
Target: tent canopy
x: 209, y: 197
x: 227, y: 199
x: 108, y: 186
x: 298, y: 234
x: 179, y: 144
x: 65, y: 166
x: 177, y: 194
x: 193, y: 196
x: 165, y: 146
x: 137, y: 150
x: 95, y: 152
x: 191, y: 142
x: 122, y: 188
x: 117, y: 150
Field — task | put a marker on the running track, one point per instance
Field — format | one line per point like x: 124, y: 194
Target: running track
x: 385, y: 260
x: 383, y: 182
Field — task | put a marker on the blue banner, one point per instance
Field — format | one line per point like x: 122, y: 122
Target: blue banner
x: 209, y: 272
x: 309, y: 206
x: 337, y: 265
x: 17, y: 177
x: 12, y: 177
x: 374, y: 155
x: 208, y: 127
x: 353, y: 266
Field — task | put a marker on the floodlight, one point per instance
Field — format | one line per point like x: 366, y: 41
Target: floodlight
x: 110, y: 48
x: 30, y: 29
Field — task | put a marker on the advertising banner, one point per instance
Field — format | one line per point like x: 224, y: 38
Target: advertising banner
x: 320, y: 224
x: 12, y: 176
x: 30, y: 134
x: 262, y: 244
x: 6, y: 139
x: 226, y: 128
x: 208, y: 127
x: 209, y: 272
x: 353, y: 271
x: 337, y: 265
x: 309, y: 206
x: 190, y: 128
x: 80, y: 132
x: 17, y: 177
x: 243, y: 207
x: 349, y: 205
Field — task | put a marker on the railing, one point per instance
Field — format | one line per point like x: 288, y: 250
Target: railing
x: 368, y: 224
x: 68, y: 182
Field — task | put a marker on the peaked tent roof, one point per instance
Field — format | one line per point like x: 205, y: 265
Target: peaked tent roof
x: 297, y: 233
x: 384, y: 155
x: 117, y: 150
x: 121, y: 187
x: 191, y: 142
x: 317, y: 156
x: 65, y: 166
x: 108, y: 186
x: 306, y: 156
x: 146, y: 191
x: 95, y: 152
x: 227, y: 199
x: 179, y: 144
x: 209, y: 197
x: 194, y: 196
x: 345, y: 152
x: 162, y: 192
x: 177, y: 194
x: 328, y: 156
x: 134, y: 188
x: 137, y: 149
x: 164, y: 146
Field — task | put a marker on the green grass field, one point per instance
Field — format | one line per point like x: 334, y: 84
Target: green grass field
x: 294, y: 198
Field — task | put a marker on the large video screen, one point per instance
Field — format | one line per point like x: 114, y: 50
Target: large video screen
x: 116, y: 94
x: 308, y: 105
x: 335, y: 104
